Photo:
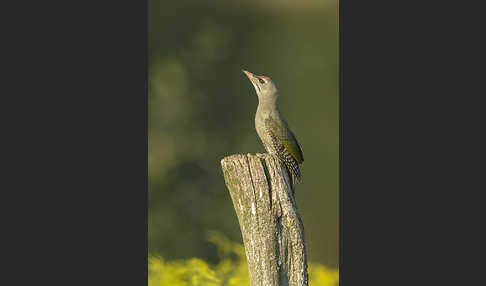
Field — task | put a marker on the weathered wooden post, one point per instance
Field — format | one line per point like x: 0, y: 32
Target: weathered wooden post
x: 273, y: 233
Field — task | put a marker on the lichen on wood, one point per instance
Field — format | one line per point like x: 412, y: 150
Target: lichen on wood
x: 272, y: 231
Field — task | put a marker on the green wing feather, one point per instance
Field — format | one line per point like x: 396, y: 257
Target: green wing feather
x: 286, y: 137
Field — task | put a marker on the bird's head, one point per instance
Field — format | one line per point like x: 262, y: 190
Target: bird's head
x: 264, y: 86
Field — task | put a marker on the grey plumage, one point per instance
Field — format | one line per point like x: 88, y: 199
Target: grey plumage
x: 273, y: 130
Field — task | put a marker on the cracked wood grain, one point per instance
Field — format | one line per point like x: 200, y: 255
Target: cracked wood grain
x: 272, y: 231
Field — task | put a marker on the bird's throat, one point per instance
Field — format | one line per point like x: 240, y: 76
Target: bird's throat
x: 267, y: 106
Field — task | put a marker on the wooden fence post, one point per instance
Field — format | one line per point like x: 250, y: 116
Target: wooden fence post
x: 273, y: 233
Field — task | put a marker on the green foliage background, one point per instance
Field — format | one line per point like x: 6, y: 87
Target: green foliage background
x: 202, y: 108
x: 231, y: 270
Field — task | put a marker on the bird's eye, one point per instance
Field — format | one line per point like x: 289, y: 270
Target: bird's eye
x: 261, y: 81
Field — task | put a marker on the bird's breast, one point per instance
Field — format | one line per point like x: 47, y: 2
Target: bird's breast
x: 262, y: 133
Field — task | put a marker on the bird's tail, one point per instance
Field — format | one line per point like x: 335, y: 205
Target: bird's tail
x: 296, y: 175
x: 293, y: 170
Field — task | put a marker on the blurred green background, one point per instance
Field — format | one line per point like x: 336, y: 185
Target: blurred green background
x: 202, y: 108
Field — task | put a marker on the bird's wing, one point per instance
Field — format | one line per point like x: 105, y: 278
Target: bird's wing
x: 285, y: 138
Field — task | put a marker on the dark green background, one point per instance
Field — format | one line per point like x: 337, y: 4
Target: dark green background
x: 202, y: 108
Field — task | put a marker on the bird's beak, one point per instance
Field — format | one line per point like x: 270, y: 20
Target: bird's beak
x: 253, y: 78
x: 248, y: 74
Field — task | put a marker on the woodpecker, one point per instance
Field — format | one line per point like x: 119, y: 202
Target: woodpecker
x: 271, y: 127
